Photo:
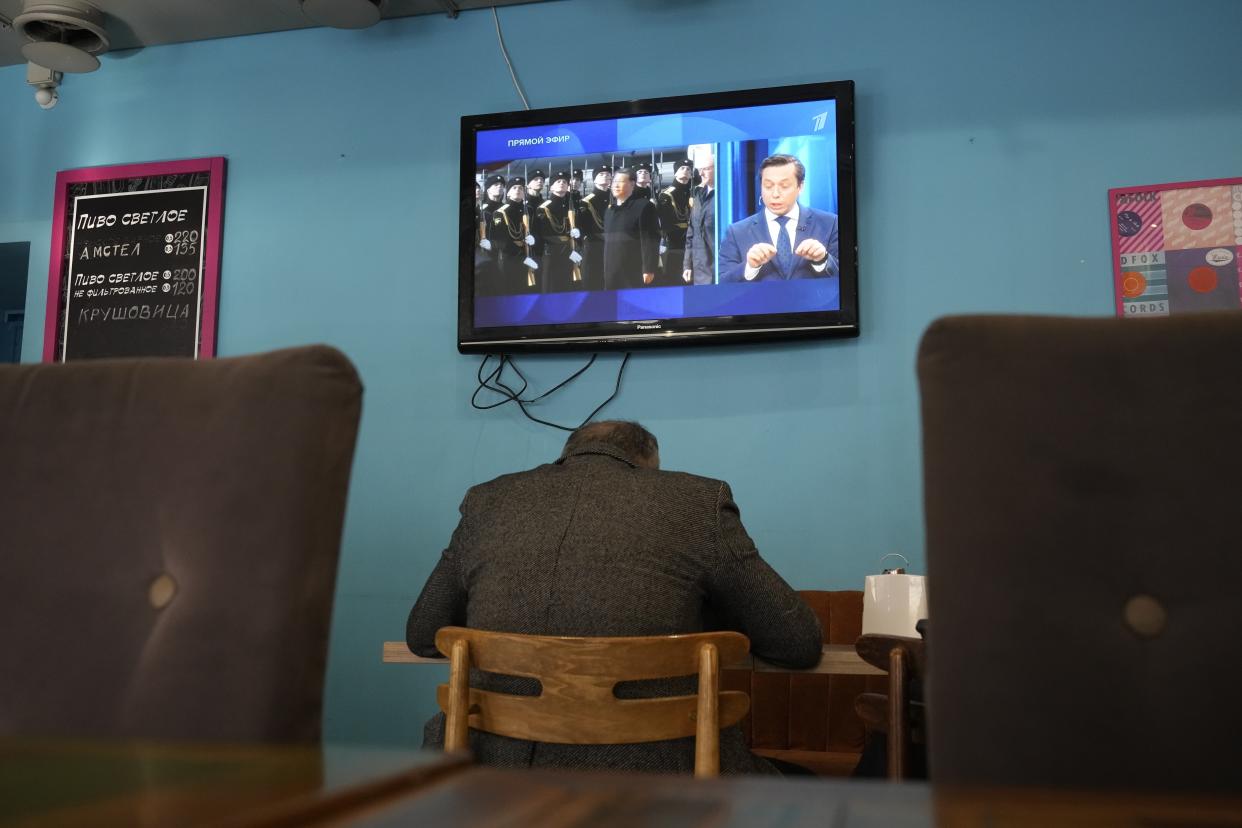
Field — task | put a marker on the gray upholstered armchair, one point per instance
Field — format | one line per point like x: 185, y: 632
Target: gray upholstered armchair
x: 170, y: 532
x: 1083, y: 485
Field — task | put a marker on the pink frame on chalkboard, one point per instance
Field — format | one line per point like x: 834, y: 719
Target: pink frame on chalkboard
x: 215, y: 168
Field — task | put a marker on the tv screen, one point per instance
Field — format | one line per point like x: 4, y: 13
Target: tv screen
x: 705, y: 218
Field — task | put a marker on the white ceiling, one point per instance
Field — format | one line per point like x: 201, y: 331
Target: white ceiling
x: 135, y: 23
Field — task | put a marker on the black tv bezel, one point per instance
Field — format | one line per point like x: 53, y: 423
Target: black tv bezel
x: 599, y: 336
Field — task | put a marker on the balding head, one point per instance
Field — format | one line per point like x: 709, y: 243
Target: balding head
x: 631, y: 439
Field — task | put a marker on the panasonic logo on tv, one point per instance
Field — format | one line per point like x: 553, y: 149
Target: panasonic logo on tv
x: 650, y: 326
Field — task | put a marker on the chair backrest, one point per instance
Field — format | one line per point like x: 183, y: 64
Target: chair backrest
x: 170, y: 540
x: 577, y: 704
x: 1082, y: 482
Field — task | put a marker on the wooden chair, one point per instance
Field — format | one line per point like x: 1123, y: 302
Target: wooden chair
x: 577, y: 705
x: 895, y: 714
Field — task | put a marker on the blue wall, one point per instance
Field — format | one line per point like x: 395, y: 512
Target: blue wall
x: 988, y: 134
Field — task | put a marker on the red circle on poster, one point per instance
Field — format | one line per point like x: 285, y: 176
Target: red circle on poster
x: 1202, y: 279
x: 1197, y: 216
x: 1132, y: 284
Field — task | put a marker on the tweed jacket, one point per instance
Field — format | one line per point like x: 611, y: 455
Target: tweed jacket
x: 593, y: 545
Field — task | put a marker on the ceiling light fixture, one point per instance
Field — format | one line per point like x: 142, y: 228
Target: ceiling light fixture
x: 343, y: 14
x: 66, y: 35
x: 45, y: 82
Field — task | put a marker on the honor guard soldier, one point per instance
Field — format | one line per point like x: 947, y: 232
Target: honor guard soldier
x: 591, y: 211
x: 575, y: 184
x: 511, y: 241
x: 557, y: 231
x: 534, y: 197
x: 534, y: 190
x: 486, y: 274
x: 673, y: 205
x: 493, y: 195
x: 642, y: 181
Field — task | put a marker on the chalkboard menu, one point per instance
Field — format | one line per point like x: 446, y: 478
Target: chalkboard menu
x: 135, y: 261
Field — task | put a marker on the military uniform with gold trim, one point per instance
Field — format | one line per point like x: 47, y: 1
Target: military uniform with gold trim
x: 591, y: 211
x: 509, y: 232
x: 555, y: 228
x: 486, y: 272
x: 673, y: 206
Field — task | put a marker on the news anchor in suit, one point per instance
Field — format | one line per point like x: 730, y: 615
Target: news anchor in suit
x: 784, y: 240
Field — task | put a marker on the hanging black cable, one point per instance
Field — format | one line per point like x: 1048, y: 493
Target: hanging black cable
x: 495, y: 383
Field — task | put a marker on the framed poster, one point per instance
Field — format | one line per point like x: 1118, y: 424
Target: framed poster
x: 135, y: 263
x: 1176, y: 247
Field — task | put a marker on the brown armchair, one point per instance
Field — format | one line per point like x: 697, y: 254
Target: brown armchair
x: 170, y: 540
x: 1082, y: 481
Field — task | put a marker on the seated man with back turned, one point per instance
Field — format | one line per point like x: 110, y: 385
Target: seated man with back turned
x: 603, y: 543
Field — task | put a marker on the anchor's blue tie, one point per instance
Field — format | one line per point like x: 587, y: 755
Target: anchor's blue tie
x: 784, y: 250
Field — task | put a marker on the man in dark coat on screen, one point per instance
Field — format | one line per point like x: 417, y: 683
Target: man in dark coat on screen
x: 700, y: 261
x: 603, y: 543
x: 631, y: 236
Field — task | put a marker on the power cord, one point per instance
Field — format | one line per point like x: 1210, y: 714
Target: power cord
x: 505, y: 52
x: 495, y: 383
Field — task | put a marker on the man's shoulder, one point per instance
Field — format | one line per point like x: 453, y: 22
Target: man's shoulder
x: 820, y: 216
x: 687, y: 481
x: 507, y: 481
x: 753, y: 218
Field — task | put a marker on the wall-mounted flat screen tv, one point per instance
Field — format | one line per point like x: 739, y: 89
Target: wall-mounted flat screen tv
x: 697, y: 219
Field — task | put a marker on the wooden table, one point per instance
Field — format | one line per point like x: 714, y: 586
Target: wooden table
x: 51, y: 784
x: 837, y: 660
x: 491, y: 798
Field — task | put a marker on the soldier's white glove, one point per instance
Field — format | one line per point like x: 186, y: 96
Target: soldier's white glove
x: 486, y: 244
x: 575, y: 233
x: 530, y: 240
x: 575, y: 257
x: 531, y: 263
x: 663, y: 249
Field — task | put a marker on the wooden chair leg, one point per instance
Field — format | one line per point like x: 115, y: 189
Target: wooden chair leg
x: 707, y: 722
x: 897, y: 724
x: 457, y: 719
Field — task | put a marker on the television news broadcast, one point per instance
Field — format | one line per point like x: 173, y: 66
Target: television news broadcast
x: 689, y: 220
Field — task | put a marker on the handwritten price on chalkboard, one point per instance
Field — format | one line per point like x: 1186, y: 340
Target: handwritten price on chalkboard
x: 183, y: 281
x: 181, y: 243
